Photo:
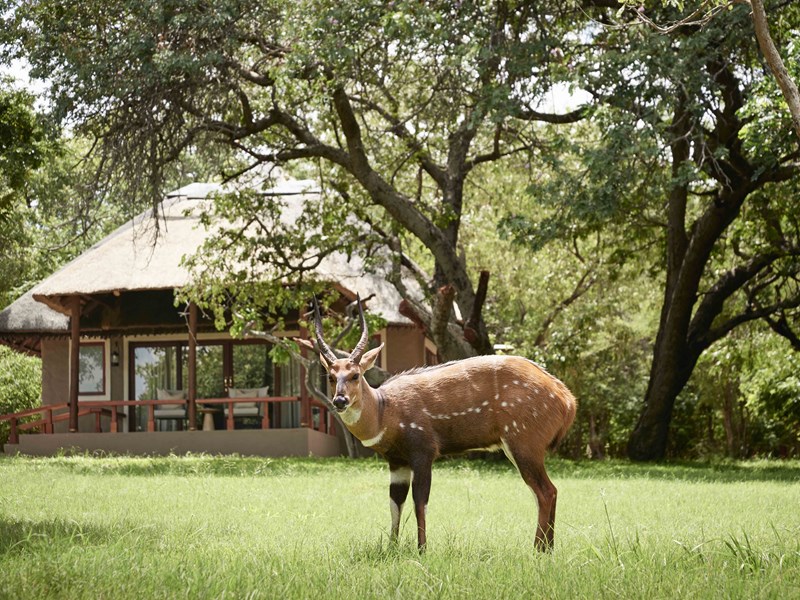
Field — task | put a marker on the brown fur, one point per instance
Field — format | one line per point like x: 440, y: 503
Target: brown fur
x: 481, y: 402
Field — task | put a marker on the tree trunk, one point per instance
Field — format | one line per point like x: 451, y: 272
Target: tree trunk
x: 669, y: 373
x: 727, y: 423
x: 649, y: 438
x: 596, y: 449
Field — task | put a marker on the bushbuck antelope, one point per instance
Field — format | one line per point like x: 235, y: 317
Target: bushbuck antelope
x: 486, y: 402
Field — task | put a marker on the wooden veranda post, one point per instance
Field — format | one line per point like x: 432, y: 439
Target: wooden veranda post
x: 305, y: 403
x: 74, y: 361
x: 192, y: 375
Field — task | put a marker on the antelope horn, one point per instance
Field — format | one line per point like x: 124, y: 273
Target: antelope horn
x: 358, y: 351
x: 324, y: 349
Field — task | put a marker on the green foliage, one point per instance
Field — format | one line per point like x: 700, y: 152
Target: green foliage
x: 771, y: 389
x: 742, y: 400
x: 571, y: 221
x: 261, y: 245
x: 575, y: 307
x: 20, y: 385
x: 23, y: 145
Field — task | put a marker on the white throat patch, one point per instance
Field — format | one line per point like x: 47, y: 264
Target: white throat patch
x: 351, y: 416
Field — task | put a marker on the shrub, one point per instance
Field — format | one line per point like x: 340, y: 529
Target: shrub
x: 20, y: 385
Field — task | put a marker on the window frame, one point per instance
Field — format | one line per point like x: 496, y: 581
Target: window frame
x: 103, y: 394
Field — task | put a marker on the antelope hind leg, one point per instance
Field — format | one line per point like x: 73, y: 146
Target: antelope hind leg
x: 420, y: 491
x: 532, y: 469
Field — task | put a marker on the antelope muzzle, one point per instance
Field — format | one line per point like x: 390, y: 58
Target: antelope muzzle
x: 340, y: 403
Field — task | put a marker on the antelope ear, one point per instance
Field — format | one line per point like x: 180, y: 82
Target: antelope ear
x: 368, y: 360
x: 324, y: 362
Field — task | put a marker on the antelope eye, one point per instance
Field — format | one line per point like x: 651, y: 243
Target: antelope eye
x: 354, y: 377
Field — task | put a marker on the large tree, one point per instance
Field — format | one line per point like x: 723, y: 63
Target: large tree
x: 697, y: 158
x: 395, y: 103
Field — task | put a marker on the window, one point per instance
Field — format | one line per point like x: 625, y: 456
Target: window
x: 375, y: 340
x: 92, y: 369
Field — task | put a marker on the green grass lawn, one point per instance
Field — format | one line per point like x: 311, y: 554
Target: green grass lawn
x: 214, y: 527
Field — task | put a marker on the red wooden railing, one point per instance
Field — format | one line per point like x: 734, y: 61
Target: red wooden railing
x: 325, y: 424
x: 52, y: 413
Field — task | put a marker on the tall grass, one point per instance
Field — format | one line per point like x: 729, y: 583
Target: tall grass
x: 226, y: 527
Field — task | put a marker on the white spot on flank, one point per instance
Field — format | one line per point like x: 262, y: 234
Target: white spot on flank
x: 374, y: 440
x: 477, y: 410
x: 551, y: 395
x: 515, y: 425
x: 504, y: 404
x: 506, y: 428
x: 505, y: 385
x: 516, y: 382
x: 497, y: 396
x: 485, y: 403
x: 402, y: 425
x: 413, y: 426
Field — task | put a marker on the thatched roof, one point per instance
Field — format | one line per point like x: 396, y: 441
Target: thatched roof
x: 25, y: 321
x: 134, y: 258
x: 26, y: 315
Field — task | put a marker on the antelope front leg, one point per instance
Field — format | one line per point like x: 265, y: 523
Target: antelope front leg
x: 421, y: 489
x: 399, y: 482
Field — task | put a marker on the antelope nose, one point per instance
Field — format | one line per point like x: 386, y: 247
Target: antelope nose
x: 340, y: 403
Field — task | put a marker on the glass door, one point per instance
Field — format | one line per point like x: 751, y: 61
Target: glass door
x: 251, y: 368
x: 220, y: 366
x: 154, y: 367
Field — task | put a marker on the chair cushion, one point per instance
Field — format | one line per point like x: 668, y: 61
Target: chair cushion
x: 162, y: 394
x: 169, y: 413
x: 262, y: 392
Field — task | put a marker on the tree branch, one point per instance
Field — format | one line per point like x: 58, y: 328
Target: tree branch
x: 730, y: 282
x: 557, y: 119
x: 399, y: 129
x: 782, y: 328
x: 717, y: 333
x: 472, y: 324
x: 773, y: 58
x: 585, y: 283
